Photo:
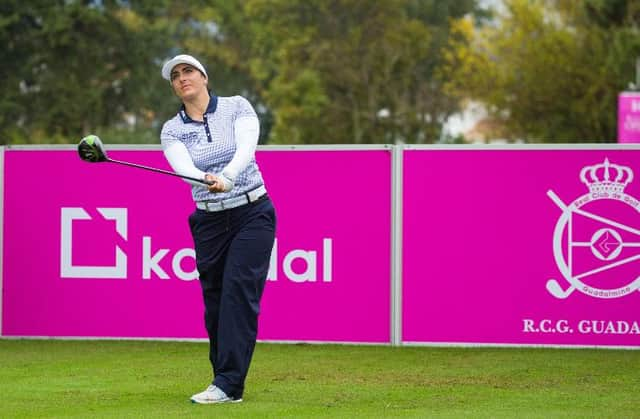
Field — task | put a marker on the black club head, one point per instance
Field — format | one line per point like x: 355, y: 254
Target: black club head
x: 90, y: 149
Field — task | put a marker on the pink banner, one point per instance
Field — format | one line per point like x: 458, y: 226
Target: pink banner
x: 104, y: 250
x: 629, y: 117
x: 521, y: 247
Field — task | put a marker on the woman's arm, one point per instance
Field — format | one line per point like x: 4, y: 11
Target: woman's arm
x: 178, y: 157
x: 246, y: 132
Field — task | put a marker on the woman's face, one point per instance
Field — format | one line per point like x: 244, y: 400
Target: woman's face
x: 187, y: 81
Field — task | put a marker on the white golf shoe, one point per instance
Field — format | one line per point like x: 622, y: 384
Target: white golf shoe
x: 213, y: 395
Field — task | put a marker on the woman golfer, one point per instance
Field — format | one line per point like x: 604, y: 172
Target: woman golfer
x: 233, y: 226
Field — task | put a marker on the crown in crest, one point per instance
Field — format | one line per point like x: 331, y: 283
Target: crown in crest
x: 606, y: 177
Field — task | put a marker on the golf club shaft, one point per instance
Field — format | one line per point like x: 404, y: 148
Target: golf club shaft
x: 153, y: 169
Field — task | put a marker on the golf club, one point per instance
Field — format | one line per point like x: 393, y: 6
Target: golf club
x: 91, y: 150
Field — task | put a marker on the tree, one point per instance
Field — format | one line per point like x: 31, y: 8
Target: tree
x: 545, y: 70
x: 73, y: 67
x: 363, y: 68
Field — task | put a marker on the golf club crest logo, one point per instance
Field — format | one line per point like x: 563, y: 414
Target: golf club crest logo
x: 596, y: 241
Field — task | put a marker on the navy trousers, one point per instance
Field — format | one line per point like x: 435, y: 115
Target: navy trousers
x: 233, y: 250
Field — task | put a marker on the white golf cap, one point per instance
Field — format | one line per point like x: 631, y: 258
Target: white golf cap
x: 181, y: 59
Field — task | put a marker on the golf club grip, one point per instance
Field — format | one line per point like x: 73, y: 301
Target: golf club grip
x: 153, y: 169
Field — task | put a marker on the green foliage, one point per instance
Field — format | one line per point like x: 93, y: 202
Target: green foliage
x: 372, y: 71
x: 72, y: 67
x: 366, y: 69
x: 612, y: 13
x: 129, y: 135
x: 545, y: 70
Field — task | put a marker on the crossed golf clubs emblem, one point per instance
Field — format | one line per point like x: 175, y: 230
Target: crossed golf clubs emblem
x: 606, y: 243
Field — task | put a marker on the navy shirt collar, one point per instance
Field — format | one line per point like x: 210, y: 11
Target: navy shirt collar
x: 211, y: 108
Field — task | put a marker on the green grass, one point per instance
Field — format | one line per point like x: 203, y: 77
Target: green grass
x: 42, y: 378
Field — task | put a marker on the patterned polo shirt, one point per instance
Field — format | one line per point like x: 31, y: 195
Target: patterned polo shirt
x: 211, y: 143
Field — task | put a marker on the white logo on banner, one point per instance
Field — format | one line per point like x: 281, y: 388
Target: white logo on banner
x: 150, y: 259
x: 606, y: 183
x: 67, y: 269
x: 310, y: 259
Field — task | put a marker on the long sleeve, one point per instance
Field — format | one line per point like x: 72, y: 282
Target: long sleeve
x: 178, y: 157
x: 246, y: 133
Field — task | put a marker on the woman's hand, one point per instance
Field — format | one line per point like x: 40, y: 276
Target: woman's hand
x: 216, y: 183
